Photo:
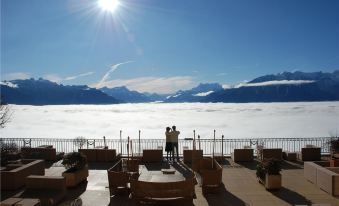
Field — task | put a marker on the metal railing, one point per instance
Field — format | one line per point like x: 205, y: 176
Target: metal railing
x: 223, y: 146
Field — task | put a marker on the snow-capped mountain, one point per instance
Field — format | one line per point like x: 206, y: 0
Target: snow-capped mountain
x: 44, y: 92
x: 126, y: 95
x: 195, y: 94
x: 283, y: 87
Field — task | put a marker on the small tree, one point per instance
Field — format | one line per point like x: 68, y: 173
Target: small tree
x: 269, y: 166
x: 4, y: 113
x: 80, y: 141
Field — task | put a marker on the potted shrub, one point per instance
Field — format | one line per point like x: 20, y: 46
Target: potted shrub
x: 76, y: 168
x: 334, y: 149
x: 268, y: 173
x: 334, y: 145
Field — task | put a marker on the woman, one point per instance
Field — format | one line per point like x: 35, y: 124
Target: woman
x: 169, y: 146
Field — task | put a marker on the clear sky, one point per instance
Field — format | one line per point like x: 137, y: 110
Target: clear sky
x: 162, y: 45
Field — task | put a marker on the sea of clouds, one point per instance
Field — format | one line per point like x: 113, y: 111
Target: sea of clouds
x: 270, y: 120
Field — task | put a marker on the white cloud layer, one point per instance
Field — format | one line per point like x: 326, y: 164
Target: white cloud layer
x: 16, y: 75
x: 276, y: 82
x: 274, y: 120
x: 161, y: 85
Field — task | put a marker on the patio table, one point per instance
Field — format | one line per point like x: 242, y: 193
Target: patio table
x: 157, y: 176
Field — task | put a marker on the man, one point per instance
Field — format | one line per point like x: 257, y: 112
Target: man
x: 174, y: 136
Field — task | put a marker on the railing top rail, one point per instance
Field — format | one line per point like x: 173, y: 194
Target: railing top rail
x: 181, y: 139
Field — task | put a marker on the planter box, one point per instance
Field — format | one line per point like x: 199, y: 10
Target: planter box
x: 290, y: 156
x: 132, y: 165
x: 267, y: 153
x: 152, y: 155
x: 74, y: 178
x: 310, y: 154
x: 192, y: 158
x: 192, y: 155
x: 211, y: 177
x: 272, y: 182
x: 48, y: 154
x: 99, y: 155
x: 242, y: 155
x: 334, y: 163
x: 117, y: 178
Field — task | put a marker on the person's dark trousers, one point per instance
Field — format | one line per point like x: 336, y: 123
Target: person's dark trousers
x: 175, y: 145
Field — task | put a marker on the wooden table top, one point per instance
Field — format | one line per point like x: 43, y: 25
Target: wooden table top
x: 158, y: 175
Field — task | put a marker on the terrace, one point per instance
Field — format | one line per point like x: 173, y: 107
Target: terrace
x: 239, y: 186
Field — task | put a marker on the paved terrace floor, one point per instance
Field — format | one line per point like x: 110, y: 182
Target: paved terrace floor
x: 240, y: 187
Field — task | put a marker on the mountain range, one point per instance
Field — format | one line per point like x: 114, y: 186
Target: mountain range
x: 44, y: 92
x: 282, y: 87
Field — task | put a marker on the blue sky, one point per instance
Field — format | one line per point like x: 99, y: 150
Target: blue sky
x: 166, y: 45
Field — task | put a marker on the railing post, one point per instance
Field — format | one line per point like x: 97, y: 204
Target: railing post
x: 222, y: 146
x: 120, y: 142
x: 139, y: 143
x: 199, y: 142
x: 194, y: 140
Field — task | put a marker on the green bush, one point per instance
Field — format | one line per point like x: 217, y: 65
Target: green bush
x: 260, y: 172
x: 74, y: 161
x: 268, y: 166
x: 334, y: 145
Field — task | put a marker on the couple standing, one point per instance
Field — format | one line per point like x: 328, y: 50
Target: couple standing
x: 172, y: 142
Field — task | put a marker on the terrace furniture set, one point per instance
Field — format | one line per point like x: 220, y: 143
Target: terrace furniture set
x: 150, y: 183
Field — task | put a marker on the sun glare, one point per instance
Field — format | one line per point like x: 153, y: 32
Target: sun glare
x: 109, y: 5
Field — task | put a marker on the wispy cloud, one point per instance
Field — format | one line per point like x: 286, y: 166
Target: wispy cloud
x: 77, y: 76
x: 109, y: 72
x: 161, y: 85
x: 16, y: 75
x: 57, y: 78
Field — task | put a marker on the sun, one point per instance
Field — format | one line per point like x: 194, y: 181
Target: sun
x: 109, y: 5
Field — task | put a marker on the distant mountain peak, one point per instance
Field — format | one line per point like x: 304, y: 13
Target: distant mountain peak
x: 44, y: 92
